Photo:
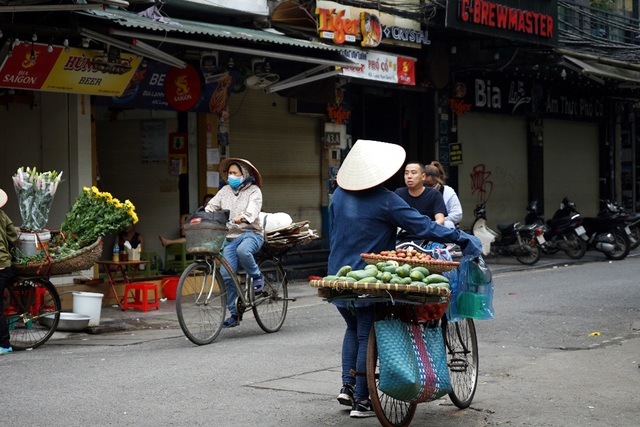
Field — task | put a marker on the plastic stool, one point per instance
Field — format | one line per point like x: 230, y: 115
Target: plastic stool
x: 141, y: 296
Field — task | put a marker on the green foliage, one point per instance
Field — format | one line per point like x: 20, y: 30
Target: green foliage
x: 94, y: 215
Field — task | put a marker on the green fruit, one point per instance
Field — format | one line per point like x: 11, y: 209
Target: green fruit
x: 390, y: 268
x: 361, y: 274
x: 381, y: 265
x: 395, y: 279
x: 416, y: 275
x: 406, y: 281
x: 370, y: 266
x: 386, y: 277
x: 368, y: 280
x: 422, y: 270
x: 330, y: 278
x: 436, y: 278
x: 343, y: 270
x: 404, y: 271
x: 346, y: 279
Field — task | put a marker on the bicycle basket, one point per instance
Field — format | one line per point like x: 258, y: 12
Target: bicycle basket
x: 205, y: 237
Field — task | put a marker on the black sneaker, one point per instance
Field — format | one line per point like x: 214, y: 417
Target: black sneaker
x: 362, y: 409
x: 231, y: 322
x: 346, y: 395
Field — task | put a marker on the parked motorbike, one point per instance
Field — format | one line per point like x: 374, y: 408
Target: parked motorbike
x: 514, y: 239
x: 631, y: 219
x: 606, y: 232
x: 560, y: 234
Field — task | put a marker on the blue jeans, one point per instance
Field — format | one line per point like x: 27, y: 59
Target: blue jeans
x: 240, y: 249
x: 354, y: 347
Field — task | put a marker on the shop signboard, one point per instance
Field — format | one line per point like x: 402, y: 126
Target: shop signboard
x: 148, y: 89
x: 495, y: 93
x: 367, y: 27
x: 70, y: 70
x: 520, y: 20
x: 455, y: 154
x: 381, y: 67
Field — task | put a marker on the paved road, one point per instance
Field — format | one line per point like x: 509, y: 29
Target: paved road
x: 539, y: 365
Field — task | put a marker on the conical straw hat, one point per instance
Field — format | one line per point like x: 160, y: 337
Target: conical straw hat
x: 224, y: 166
x: 370, y: 163
x: 3, y: 198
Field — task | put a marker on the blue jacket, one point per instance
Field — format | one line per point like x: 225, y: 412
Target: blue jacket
x: 367, y: 221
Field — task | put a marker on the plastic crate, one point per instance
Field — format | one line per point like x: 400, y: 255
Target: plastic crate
x: 205, y: 237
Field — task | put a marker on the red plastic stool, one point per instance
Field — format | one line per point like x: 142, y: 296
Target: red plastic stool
x: 141, y: 296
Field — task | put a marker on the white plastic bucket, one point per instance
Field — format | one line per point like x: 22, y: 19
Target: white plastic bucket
x: 89, y: 303
x: 30, y: 245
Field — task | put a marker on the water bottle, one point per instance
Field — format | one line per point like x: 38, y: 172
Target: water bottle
x: 116, y: 252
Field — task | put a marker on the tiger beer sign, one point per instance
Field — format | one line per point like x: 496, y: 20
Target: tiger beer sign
x: 347, y: 24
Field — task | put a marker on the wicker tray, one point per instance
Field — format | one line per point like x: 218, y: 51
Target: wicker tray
x: 381, y: 288
x: 434, y: 266
x: 81, y: 260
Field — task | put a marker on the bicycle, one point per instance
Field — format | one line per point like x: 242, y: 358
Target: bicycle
x: 201, y: 300
x: 32, y: 308
x: 461, y: 348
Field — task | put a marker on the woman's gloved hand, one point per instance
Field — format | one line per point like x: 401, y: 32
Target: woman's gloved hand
x: 470, y: 245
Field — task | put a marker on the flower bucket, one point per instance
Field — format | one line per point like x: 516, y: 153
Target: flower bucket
x: 32, y: 243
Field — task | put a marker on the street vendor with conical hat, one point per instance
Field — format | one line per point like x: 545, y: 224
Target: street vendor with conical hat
x: 243, y: 198
x: 364, y: 218
x: 8, y: 238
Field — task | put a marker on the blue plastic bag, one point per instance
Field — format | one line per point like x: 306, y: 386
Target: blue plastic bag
x: 474, y: 296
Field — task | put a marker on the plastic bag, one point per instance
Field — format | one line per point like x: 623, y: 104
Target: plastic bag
x: 475, y: 291
x: 219, y: 217
x: 454, y: 284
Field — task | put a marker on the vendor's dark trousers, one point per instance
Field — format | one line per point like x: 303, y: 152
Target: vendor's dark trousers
x: 6, y: 277
x: 354, y: 347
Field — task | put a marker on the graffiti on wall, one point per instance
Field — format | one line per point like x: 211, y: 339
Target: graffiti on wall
x: 481, y: 185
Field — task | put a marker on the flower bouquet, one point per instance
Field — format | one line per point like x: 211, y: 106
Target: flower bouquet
x: 35, y: 192
x: 77, y: 246
x: 94, y: 215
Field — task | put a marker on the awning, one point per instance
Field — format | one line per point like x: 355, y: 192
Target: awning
x: 595, y: 70
x: 199, y: 35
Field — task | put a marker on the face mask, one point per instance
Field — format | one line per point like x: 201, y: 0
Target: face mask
x: 234, y: 181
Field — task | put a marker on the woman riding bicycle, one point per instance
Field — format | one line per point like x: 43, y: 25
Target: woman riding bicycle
x: 243, y: 198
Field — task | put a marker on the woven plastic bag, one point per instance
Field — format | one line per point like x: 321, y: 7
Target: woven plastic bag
x: 400, y: 375
x: 438, y: 382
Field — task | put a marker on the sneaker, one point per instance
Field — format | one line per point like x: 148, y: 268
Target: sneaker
x: 5, y: 350
x: 258, y: 284
x: 231, y: 321
x: 346, y: 395
x: 362, y: 409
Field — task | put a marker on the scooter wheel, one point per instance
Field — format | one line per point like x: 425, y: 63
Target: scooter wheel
x: 622, y: 246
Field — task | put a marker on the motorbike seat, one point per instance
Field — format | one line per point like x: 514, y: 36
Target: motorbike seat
x: 508, y: 227
x: 559, y: 222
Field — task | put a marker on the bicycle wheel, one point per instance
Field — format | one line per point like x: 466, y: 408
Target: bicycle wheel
x: 390, y: 412
x: 462, y: 357
x: 270, y: 306
x: 34, y: 311
x: 201, y: 302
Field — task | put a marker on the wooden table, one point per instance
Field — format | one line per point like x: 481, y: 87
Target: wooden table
x: 113, y: 267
